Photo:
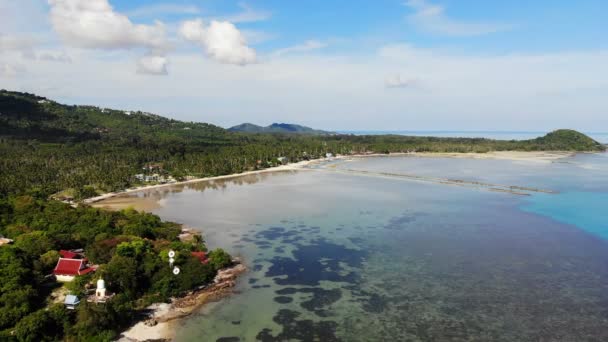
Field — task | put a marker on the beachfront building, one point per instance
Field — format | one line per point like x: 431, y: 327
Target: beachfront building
x: 67, y: 269
x: 154, y: 178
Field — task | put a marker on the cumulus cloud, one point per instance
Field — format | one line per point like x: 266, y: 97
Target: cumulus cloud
x: 309, y: 45
x: 396, y: 81
x: 432, y: 18
x: 220, y: 40
x: 95, y: 24
x: 152, y: 65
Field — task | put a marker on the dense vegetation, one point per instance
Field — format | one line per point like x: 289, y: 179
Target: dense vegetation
x: 48, y: 147
x: 277, y: 128
x: 130, y: 247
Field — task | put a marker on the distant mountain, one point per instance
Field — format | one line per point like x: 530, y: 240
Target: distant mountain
x: 277, y: 128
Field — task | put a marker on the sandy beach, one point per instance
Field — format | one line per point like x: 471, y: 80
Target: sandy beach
x: 288, y: 167
x: 118, y: 200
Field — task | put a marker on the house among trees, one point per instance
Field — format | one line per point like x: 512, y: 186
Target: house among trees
x: 5, y: 241
x: 156, y: 178
x: 71, y: 301
x: 201, y: 256
x: 153, y: 167
x: 69, y: 254
x: 67, y: 269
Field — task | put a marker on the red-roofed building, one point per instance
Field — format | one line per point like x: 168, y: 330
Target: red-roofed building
x: 201, y: 256
x: 68, y: 254
x: 68, y: 269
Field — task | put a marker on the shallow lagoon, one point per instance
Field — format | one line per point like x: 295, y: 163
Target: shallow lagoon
x: 337, y: 255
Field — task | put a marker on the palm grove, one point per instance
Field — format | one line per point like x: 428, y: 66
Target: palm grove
x: 48, y: 148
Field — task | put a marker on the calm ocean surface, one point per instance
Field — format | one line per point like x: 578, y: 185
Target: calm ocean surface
x: 357, y: 251
x: 504, y: 135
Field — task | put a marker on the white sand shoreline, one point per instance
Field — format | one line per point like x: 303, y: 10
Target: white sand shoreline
x: 288, y: 167
x: 532, y: 156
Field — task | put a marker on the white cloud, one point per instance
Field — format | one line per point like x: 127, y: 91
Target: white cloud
x: 95, y: 24
x: 432, y: 18
x: 248, y: 14
x: 309, y: 45
x: 152, y: 65
x: 221, y: 41
x: 14, y: 42
x: 11, y: 70
x: 163, y: 9
x: 52, y: 56
x: 396, y: 81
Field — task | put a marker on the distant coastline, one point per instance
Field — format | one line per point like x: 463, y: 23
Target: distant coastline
x: 601, y: 137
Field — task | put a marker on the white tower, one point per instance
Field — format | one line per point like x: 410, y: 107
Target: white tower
x: 100, y: 293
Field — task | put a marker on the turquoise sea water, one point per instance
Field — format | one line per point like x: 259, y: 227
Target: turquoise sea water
x: 586, y: 210
x: 360, y: 250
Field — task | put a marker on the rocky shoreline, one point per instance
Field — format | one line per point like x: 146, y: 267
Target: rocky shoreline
x: 157, y: 325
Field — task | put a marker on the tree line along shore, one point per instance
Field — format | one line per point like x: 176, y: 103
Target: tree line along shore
x: 53, y: 151
x: 49, y: 148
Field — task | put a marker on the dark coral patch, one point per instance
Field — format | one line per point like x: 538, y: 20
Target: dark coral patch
x: 306, y: 268
x: 283, y: 299
x: 286, y: 291
x: 228, y: 339
x: 299, y: 330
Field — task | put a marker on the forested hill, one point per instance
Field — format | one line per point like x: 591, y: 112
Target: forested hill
x: 48, y: 147
x: 27, y: 116
x: 284, y: 128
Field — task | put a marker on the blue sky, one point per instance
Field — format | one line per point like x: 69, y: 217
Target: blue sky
x: 404, y: 65
x: 540, y: 25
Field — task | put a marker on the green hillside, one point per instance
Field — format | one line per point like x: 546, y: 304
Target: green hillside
x: 568, y: 140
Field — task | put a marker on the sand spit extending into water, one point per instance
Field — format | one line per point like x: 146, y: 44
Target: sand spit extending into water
x: 511, y: 189
x: 532, y: 156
